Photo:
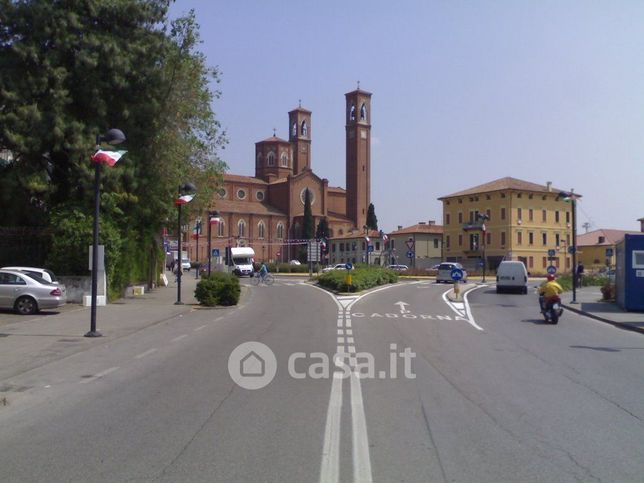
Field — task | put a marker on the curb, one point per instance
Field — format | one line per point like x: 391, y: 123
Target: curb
x: 619, y: 325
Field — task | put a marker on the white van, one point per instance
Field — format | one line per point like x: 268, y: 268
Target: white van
x: 242, y: 260
x: 512, y: 276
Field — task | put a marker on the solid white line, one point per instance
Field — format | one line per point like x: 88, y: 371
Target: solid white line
x: 200, y: 328
x: 361, y: 459
x: 330, y: 467
x: 176, y: 339
x: 146, y: 353
x: 99, y: 375
x: 470, y: 317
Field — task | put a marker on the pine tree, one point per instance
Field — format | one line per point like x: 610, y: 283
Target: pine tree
x: 308, y: 226
x: 322, y: 230
x: 372, y: 220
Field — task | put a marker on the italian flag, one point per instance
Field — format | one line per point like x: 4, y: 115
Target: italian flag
x: 107, y: 157
x: 182, y: 200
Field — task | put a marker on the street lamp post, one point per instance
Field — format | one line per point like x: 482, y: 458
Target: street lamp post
x: 213, y: 219
x: 184, y: 198
x: 198, y: 232
x: 483, y: 218
x: 572, y: 197
x: 112, y: 137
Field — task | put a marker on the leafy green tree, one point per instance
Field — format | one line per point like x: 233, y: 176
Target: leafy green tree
x: 372, y: 220
x: 73, y: 69
x: 322, y: 229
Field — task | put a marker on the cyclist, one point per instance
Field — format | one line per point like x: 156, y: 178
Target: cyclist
x: 263, y: 270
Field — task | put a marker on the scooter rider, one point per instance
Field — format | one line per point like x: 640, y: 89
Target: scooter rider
x: 549, y: 292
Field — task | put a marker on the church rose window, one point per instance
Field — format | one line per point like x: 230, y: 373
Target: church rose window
x: 241, y: 194
x: 303, y: 196
x: 260, y: 196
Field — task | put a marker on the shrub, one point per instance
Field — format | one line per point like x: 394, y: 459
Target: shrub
x: 363, y: 277
x: 218, y: 288
x: 608, y: 291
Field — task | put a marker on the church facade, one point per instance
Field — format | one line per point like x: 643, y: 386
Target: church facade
x: 266, y: 211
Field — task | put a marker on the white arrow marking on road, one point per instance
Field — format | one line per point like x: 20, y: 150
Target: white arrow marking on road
x: 403, y: 310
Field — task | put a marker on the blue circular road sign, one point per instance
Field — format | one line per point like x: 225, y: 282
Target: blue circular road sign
x: 457, y: 274
x: 551, y: 253
x: 410, y: 254
x: 349, y: 266
x: 551, y: 269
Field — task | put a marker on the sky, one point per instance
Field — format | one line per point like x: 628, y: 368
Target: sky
x: 464, y: 92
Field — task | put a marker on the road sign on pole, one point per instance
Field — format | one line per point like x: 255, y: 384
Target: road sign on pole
x: 457, y: 274
x: 551, y: 253
x: 551, y: 269
x: 410, y: 254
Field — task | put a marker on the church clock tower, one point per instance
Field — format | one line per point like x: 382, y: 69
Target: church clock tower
x: 358, y: 132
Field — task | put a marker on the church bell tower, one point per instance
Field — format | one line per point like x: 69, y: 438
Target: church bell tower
x: 358, y: 160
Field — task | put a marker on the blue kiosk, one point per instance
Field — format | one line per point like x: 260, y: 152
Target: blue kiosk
x: 629, y: 272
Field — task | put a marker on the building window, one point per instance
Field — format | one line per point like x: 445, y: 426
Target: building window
x: 220, y: 229
x: 530, y: 214
x: 502, y: 238
x: 488, y: 241
x: 519, y: 238
x: 488, y: 197
x: 305, y: 129
x: 271, y: 158
x: 519, y: 214
x: 303, y: 196
x: 241, y: 228
x: 544, y: 215
x: 567, y: 217
x: 557, y: 216
x: 529, y: 197
x: 447, y: 242
x: 435, y: 242
x: 352, y: 113
x: 557, y: 240
x: 447, y: 218
x: 488, y: 212
x: 280, y: 231
x: 460, y: 217
x: 460, y: 201
x: 544, y: 262
x: 502, y: 195
x: 341, y: 247
x: 530, y: 262
x: 333, y: 247
x: 294, y: 129
x: 284, y: 160
x: 363, y: 246
x: 260, y: 230
x: 474, y: 241
x: 568, y: 239
x: 260, y: 196
x: 567, y: 263
x: 503, y: 213
x: 241, y: 194
x: 460, y: 240
x: 363, y: 112
x: 377, y: 245
x: 519, y: 195
x: 544, y: 239
x: 530, y: 238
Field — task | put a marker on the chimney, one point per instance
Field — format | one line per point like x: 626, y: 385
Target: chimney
x: 641, y: 220
x: 422, y: 223
x: 549, y: 186
x: 431, y: 222
x: 400, y: 226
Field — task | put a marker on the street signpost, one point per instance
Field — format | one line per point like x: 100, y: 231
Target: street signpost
x: 551, y: 253
x: 551, y: 270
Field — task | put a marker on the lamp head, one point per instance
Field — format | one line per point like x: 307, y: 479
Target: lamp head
x: 113, y: 136
x: 187, y: 188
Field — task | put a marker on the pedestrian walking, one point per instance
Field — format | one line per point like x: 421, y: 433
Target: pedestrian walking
x: 580, y: 273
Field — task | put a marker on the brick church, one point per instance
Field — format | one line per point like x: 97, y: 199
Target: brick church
x: 265, y: 211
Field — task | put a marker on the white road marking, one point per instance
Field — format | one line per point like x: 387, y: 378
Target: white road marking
x: 340, y: 340
x: 340, y: 322
x: 330, y: 468
x: 99, y: 375
x: 465, y: 313
x: 402, y: 305
x: 350, y: 340
x: 200, y: 328
x: 348, y: 322
x: 146, y: 353
x: 349, y: 331
x: 340, y: 331
x: 352, y: 349
x: 176, y: 339
x: 361, y: 459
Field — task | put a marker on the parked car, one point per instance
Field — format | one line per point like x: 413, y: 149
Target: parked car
x: 511, y: 276
x: 294, y: 262
x: 399, y: 268
x: 337, y: 266
x: 40, y: 272
x: 27, y: 294
x: 444, y: 273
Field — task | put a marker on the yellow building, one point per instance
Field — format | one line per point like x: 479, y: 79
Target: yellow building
x: 524, y: 221
x: 596, y: 249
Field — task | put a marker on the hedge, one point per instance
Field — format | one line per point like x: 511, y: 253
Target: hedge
x: 363, y: 277
x: 218, y: 288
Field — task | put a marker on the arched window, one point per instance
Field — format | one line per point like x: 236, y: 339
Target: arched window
x: 305, y: 129
x: 260, y: 230
x: 352, y: 113
x: 363, y: 112
x: 294, y: 130
x: 271, y: 158
x: 284, y: 160
x: 280, y: 231
x: 221, y: 229
x: 241, y: 228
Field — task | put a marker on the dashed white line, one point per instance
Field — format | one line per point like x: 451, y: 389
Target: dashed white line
x: 340, y: 331
x: 99, y: 375
x: 350, y: 340
x: 177, y: 339
x: 146, y: 353
x: 349, y: 331
x: 340, y: 340
x: 200, y: 328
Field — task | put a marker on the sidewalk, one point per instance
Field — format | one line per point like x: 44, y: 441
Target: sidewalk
x: 589, y: 304
x: 27, y: 342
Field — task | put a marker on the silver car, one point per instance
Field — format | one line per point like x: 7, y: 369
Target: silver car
x: 27, y: 294
x: 445, y: 272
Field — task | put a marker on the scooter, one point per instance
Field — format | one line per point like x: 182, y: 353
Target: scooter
x: 551, y: 311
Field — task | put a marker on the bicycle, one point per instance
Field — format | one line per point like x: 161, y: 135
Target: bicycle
x: 267, y: 279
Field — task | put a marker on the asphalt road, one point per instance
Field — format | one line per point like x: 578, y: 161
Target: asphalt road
x: 455, y: 393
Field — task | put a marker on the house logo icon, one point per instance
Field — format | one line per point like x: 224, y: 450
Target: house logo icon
x: 252, y: 365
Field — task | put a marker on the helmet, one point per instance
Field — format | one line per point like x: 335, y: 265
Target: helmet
x: 551, y: 277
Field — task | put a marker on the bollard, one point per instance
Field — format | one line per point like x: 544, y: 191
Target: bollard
x: 349, y: 281
x: 457, y: 289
